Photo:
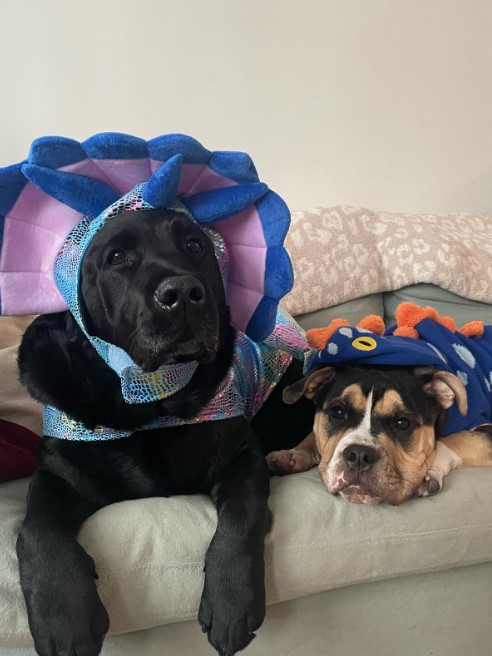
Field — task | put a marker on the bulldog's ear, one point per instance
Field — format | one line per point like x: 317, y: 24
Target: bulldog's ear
x: 445, y: 387
x: 308, y: 386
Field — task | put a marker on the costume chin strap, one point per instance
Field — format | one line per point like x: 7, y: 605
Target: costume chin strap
x: 138, y: 386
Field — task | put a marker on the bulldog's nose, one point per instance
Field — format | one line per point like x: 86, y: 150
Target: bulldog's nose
x: 173, y: 292
x: 360, y: 456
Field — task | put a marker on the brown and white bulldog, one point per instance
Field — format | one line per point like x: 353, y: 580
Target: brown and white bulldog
x: 376, y: 434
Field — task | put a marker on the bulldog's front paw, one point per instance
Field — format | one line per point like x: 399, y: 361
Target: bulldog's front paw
x: 430, y: 485
x: 66, y: 616
x: 233, y: 601
x: 291, y: 461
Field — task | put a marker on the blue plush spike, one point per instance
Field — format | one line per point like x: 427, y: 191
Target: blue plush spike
x: 115, y: 145
x: 262, y: 322
x: 55, y: 152
x: 275, y: 217
x: 161, y: 189
x: 279, y: 276
x: 219, y: 204
x: 12, y: 182
x: 167, y: 145
x: 87, y: 196
x: 234, y: 165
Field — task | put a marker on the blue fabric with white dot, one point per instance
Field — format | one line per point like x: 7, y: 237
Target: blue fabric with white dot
x: 469, y: 358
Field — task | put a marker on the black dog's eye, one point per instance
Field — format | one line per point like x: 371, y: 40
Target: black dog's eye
x: 194, y: 245
x: 402, y: 423
x: 118, y: 257
x: 337, y: 412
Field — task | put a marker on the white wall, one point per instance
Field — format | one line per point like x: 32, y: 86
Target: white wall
x: 382, y: 103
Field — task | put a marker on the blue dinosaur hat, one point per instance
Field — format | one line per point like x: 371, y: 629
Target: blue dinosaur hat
x: 420, y: 337
x: 53, y: 203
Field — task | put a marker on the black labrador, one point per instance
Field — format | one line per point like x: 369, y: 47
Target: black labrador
x: 151, y: 285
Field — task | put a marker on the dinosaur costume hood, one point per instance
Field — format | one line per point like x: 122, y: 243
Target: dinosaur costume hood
x: 53, y: 204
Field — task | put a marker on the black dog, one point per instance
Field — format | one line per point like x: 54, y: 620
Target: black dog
x: 151, y: 285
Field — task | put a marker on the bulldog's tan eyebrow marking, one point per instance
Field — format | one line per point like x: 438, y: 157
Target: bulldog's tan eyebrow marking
x: 322, y: 436
x: 355, y: 397
x: 390, y: 403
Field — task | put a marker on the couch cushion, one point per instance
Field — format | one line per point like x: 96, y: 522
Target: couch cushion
x: 149, y: 553
x: 353, y: 311
x: 446, y: 303
x: 12, y: 328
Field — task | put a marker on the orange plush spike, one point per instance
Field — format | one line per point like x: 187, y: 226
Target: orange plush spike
x: 473, y: 329
x: 448, y: 323
x: 372, y: 322
x: 406, y: 331
x: 408, y: 315
x: 317, y: 337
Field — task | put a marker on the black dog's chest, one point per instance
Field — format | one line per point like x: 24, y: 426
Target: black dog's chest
x: 161, y: 462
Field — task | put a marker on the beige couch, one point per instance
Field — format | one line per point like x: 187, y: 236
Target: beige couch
x: 415, y: 580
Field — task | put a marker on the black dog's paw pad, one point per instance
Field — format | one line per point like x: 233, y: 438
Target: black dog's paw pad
x: 229, y: 627
x: 235, y: 641
x: 87, y: 647
x: 70, y: 622
x: 59, y: 636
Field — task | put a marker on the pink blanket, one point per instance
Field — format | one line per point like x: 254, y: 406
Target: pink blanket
x: 342, y: 253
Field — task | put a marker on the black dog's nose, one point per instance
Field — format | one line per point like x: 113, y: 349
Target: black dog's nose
x: 361, y: 457
x: 171, y: 292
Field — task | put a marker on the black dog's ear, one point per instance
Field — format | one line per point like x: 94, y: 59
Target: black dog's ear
x: 445, y: 387
x: 308, y: 386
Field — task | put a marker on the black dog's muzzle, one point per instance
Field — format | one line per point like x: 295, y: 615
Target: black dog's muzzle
x: 177, y: 293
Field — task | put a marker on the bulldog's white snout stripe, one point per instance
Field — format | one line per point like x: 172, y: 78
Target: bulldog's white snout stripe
x: 361, y: 434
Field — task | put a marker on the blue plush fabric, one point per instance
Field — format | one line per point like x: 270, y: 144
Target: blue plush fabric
x: 278, y: 262
x: 162, y: 188
x: 12, y: 182
x: 115, y: 145
x: 167, y: 145
x: 212, y: 206
x: 277, y: 220
x: 54, y: 152
x: 469, y: 358
x: 235, y: 165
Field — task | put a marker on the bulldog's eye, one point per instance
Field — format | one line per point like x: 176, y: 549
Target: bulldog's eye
x: 337, y: 412
x: 194, y: 245
x: 402, y: 423
x: 118, y: 257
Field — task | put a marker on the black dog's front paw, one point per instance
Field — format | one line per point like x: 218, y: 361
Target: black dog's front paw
x: 66, y: 616
x: 233, y: 601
